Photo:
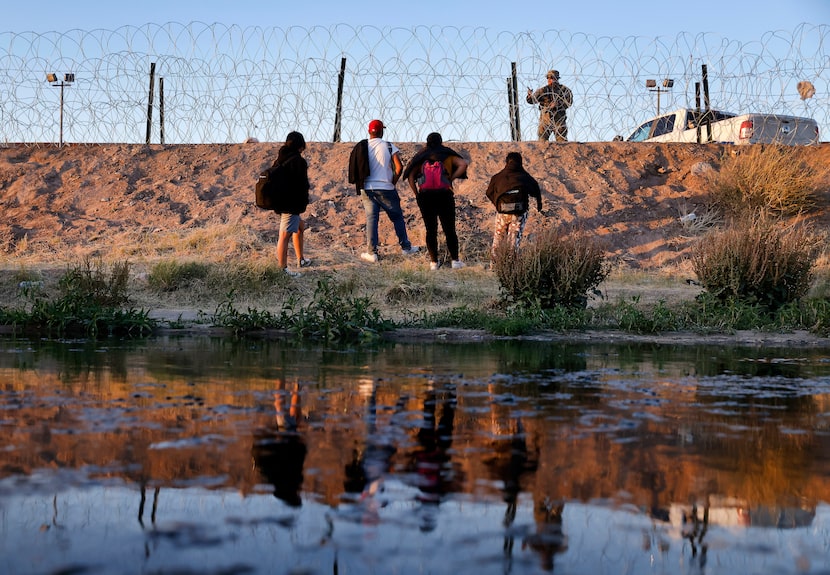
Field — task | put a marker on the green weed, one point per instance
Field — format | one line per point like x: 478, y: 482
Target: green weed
x: 92, y: 302
x: 331, y: 316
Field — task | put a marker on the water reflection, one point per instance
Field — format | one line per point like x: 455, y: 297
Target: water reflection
x: 372, y: 458
x: 431, y: 461
x: 279, y: 451
x: 206, y: 455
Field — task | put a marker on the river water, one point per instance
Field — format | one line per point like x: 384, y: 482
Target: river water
x: 207, y: 455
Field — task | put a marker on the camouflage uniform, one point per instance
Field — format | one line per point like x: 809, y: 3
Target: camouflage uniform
x: 509, y: 227
x: 553, y: 99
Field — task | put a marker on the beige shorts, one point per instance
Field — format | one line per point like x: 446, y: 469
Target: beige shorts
x: 289, y: 223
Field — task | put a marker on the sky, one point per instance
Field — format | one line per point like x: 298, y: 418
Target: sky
x: 741, y: 20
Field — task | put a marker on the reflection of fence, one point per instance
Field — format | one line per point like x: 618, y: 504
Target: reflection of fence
x: 225, y: 83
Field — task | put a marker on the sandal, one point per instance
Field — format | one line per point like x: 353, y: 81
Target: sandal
x: 304, y: 263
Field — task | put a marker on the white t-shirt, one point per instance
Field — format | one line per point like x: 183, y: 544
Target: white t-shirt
x: 381, y: 169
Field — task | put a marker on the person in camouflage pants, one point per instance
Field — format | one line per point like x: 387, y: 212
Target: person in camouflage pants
x: 553, y: 100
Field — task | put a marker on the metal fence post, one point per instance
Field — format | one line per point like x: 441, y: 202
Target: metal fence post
x: 150, y: 101
x: 338, y: 113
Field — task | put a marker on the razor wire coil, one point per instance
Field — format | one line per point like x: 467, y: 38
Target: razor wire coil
x: 227, y: 84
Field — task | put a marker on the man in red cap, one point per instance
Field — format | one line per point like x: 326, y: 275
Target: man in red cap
x: 374, y: 168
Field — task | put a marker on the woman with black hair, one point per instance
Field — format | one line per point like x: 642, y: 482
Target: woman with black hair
x: 434, y: 194
x: 293, y: 200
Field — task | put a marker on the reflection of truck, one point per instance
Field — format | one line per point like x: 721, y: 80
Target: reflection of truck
x: 690, y: 125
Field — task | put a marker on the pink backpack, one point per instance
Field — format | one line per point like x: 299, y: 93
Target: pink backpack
x: 435, y: 177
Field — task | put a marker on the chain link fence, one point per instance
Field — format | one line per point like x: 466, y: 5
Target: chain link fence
x: 221, y: 84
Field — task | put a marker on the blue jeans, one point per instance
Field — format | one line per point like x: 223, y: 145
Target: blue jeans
x: 389, y: 202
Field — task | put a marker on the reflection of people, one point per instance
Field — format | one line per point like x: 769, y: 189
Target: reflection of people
x: 279, y: 454
x: 553, y: 100
x: 549, y: 539
x: 294, y: 202
x: 374, y: 168
x: 435, y: 199
x: 364, y: 474
x: 509, y: 461
x: 432, y: 460
x: 510, y: 191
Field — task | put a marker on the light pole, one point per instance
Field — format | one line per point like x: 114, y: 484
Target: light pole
x: 67, y: 81
x: 653, y: 87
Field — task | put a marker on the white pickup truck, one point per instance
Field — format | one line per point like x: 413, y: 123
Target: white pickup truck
x: 691, y: 125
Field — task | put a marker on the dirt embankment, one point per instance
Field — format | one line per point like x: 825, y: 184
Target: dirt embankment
x: 110, y: 200
x: 629, y: 194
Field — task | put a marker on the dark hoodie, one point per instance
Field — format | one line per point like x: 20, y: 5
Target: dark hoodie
x: 514, y: 177
x: 293, y: 198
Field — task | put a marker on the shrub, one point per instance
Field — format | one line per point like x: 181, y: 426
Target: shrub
x: 768, y: 178
x: 700, y: 221
x: 757, y: 261
x: 553, y: 268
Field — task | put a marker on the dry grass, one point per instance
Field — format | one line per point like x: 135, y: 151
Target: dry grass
x: 821, y: 270
x: 699, y: 220
x: 195, y: 270
x: 212, y: 243
x: 559, y: 267
x: 400, y: 290
x: 759, y: 260
x: 231, y: 259
x: 177, y: 273
x: 768, y: 178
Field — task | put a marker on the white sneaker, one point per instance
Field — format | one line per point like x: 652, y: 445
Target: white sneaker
x: 291, y: 274
x: 434, y: 266
x: 412, y: 250
x: 457, y: 264
x: 367, y: 257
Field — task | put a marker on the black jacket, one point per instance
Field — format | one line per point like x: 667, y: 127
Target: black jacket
x: 514, y: 177
x: 359, y: 164
x: 293, y: 197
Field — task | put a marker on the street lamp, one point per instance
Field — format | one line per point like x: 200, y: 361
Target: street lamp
x: 67, y: 81
x: 653, y: 87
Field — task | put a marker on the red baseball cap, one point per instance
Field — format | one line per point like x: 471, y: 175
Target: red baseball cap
x: 375, y: 126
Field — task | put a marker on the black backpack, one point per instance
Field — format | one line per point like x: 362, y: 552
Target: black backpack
x: 268, y: 187
x: 512, y: 202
